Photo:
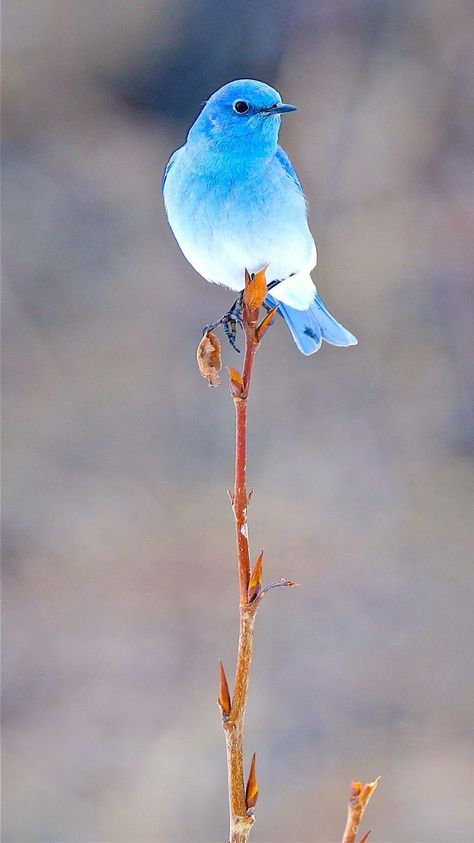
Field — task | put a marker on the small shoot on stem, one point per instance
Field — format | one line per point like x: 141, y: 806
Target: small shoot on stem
x: 251, y: 792
x: 223, y: 698
x: 255, y: 292
x: 255, y: 582
x: 235, y: 382
x: 266, y: 322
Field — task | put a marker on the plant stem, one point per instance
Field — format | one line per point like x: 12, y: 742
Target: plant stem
x: 242, y: 799
x: 241, y: 820
x: 240, y: 498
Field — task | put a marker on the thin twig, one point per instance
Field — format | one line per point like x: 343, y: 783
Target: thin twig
x: 240, y: 819
x: 243, y: 797
x: 240, y: 497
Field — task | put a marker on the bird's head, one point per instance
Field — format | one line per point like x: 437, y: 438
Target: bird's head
x: 241, y: 118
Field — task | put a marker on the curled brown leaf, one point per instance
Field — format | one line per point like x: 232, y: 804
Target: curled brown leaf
x: 209, y: 358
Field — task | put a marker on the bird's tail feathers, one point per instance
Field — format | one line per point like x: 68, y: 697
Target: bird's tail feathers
x: 310, y: 327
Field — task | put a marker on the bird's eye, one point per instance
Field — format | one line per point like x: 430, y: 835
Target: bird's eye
x: 241, y: 106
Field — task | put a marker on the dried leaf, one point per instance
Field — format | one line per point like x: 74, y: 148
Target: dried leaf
x: 224, y: 697
x: 255, y: 289
x: 255, y: 579
x: 251, y: 794
x: 209, y: 358
x: 235, y: 382
x: 266, y: 323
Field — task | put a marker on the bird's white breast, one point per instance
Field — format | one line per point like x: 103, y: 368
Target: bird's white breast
x: 226, y: 225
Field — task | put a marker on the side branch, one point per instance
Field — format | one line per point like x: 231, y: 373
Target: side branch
x: 358, y: 801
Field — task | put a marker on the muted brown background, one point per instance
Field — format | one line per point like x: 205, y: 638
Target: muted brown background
x: 120, y: 591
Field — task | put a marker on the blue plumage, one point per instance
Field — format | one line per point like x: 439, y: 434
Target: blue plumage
x: 234, y: 201
x: 310, y: 327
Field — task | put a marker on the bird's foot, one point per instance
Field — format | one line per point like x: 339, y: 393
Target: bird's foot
x: 229, y: 322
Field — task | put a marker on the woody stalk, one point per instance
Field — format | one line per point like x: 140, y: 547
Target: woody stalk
x: 243, y: 793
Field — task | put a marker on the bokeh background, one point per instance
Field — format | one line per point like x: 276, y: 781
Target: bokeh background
x: 119, y: 557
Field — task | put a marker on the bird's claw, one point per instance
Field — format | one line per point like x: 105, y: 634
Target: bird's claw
x: 230, y: 329
x: 229, y: 322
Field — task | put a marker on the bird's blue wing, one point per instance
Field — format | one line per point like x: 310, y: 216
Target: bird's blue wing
x: 168, y: 168
x: 285, y: 162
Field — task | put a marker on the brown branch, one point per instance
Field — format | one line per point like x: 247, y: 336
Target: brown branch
x: 358, y: 801
x: 241, y: 819
x: 242, y: 796
x: 240, y: 486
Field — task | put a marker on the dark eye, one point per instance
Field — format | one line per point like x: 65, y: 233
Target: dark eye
x: 241, y: 106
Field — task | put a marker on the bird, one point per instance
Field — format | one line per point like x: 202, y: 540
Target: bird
x: 234, y: 202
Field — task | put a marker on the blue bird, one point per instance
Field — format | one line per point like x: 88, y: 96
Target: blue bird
x: 234, y: 201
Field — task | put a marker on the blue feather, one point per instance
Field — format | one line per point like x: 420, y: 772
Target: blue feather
x: 310, y: 327
x: 168, y: 168
x: 285, y: 162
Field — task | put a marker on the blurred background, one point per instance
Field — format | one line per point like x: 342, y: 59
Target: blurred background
x: 119, y: 570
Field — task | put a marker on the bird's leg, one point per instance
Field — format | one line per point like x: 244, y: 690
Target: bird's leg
x: 229, y: 322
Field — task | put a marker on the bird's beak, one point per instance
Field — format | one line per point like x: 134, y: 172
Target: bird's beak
x: 282, y: 108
